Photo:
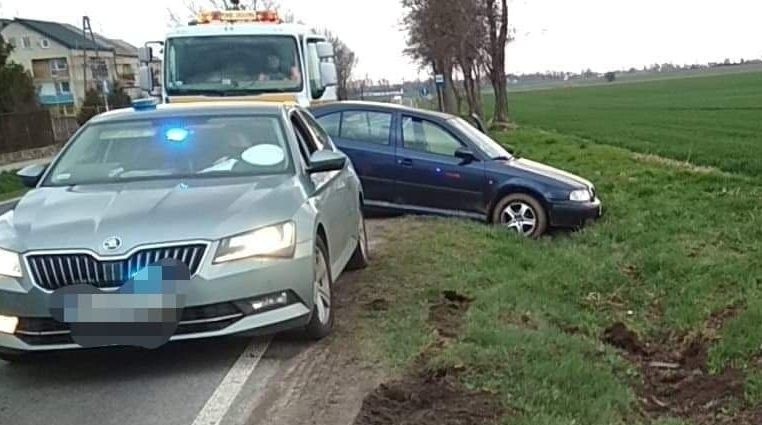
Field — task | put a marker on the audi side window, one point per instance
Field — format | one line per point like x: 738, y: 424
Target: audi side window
x: 426, y: 136
x: 366, y: 126
x: 331, y: 123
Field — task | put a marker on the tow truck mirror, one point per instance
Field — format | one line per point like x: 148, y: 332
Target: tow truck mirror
x: 324, y: 50
x: 146, y: 78
x: 328, y: 74
x: 145, y: 54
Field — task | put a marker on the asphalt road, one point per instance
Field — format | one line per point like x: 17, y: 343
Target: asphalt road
x: 207, y: 382
x: 118, y: 386
x: 5, y: 207
x: 168, y: 386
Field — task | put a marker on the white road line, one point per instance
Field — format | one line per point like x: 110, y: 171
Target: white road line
x: 219, y: 403
x: 9, y: 201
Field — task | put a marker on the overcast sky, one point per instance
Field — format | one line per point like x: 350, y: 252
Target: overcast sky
x: 561, y: 35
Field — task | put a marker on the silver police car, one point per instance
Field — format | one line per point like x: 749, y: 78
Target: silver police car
x: 251, y: 202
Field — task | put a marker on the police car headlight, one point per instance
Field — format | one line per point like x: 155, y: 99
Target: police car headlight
x: 10, y: 263
x: 582, y: 195
x: 278, y: 241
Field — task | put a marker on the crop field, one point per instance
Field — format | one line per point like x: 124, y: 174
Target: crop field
x: 651, y: 316
x: 714, y: 121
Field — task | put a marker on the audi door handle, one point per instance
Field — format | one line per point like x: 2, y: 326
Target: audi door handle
x: 405, y: 162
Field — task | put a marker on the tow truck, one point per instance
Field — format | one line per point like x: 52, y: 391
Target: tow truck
x: 242, y: 55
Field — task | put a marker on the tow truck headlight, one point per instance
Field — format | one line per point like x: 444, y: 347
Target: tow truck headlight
x: 10, y: 265
x: 582, y: 195
x: 278, y: 241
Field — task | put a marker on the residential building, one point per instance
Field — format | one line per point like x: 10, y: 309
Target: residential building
x: 65, y: 63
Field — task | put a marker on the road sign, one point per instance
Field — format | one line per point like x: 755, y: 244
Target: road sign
x: 439, y: 79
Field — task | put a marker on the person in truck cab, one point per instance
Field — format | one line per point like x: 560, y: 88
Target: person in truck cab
x: 274, y: 70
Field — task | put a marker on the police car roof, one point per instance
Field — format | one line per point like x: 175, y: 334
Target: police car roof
x: 191, y: 109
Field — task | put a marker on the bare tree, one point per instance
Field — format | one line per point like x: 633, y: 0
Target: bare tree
x: 449, y: 35
x: 431, y: 41
x: 496, y: 12
x: 345, y: 59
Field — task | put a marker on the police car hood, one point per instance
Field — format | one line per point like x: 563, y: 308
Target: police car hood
x: 139, y: 213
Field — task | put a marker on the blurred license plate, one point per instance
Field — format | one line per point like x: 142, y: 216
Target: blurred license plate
x: 120, y: 308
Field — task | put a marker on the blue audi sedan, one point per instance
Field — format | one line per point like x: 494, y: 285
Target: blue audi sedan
x: 416, y: 161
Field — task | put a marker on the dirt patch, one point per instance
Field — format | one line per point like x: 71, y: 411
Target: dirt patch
x: 446, y: 314
x: 619, y: 336
x: 326, y: 382
x: 676, y: 164
x: 425, y: 397
x: 428, y: 399
x: 676, y: 381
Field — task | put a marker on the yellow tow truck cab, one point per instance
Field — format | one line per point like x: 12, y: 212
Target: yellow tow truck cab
x: 242, y: 55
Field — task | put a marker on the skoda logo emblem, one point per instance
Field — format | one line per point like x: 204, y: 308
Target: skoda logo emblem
x: 112, y: 243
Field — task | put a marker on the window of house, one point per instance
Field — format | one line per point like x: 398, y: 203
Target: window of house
x: 26, y: 42
x: 63, y: 87
x: 58, y: 64
x: 45, y: 43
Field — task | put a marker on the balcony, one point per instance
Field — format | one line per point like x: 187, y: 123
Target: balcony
x: 56, y: 99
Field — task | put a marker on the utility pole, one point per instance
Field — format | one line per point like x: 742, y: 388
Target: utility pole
x: 87, y: 29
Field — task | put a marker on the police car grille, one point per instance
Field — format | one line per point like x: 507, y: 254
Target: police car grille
x: 54, y: 271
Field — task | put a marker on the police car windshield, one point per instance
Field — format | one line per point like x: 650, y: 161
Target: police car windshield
x: 183, y: 147
x: 232, y: 65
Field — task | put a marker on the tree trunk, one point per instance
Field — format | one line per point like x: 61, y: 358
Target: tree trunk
x: 468, y: 84
x: 478, y: 104
x: 500, y: 86
x: 458, y: 97
x: 448, y: 91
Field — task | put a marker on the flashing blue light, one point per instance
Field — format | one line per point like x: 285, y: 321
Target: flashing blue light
x: 177, y: 135
x: 145, y: 104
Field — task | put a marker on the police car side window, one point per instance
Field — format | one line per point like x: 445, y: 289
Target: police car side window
x: 306, y: 145
x: 322, y: 139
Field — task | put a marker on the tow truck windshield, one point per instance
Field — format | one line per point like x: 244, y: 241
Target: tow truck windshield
x: 232, y: 65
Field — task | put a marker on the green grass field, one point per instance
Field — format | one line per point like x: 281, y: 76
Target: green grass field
x: 10, y: 186
x: 678, y: 245
x: 714, y: 121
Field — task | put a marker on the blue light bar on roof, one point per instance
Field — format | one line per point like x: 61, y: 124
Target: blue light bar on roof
x: 177, y: 135
x: 146, y: 104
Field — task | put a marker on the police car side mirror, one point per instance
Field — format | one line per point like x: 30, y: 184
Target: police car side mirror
x: 322, y: 161
x: 31, y: 174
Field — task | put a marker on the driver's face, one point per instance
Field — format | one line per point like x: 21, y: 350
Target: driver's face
x: 273, y: 62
